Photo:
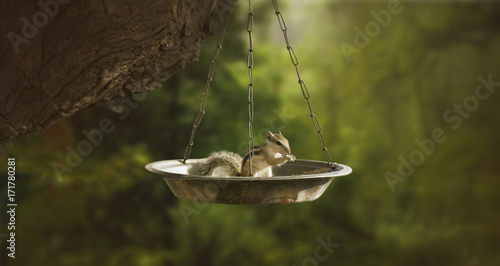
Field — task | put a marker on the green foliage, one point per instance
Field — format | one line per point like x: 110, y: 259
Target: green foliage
x: 109, y: 211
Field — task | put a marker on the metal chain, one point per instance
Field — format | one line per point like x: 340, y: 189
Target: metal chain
x: 303, y: 86
x: 203, y: 98
x: 250, y: 86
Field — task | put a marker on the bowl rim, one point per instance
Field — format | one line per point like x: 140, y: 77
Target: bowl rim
x: 342, y: 171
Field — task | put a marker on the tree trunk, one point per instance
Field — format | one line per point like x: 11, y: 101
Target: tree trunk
x: 62, y: 56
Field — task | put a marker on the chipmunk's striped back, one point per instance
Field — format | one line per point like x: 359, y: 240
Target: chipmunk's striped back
x: 275, y: 151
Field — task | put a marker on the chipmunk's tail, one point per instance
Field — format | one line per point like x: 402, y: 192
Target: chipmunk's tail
x: 221, y: 163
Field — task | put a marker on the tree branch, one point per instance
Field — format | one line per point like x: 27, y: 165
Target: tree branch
x: 62, y: 56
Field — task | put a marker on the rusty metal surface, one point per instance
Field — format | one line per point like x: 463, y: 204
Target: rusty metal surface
x: 289, y: 185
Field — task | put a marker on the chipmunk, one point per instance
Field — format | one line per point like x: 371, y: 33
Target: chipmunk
x: 275, y: 151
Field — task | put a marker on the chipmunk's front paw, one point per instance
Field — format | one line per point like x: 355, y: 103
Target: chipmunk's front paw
x: 290, y: 157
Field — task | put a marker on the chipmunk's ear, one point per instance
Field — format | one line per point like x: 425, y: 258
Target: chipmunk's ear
x: 278, y: 132
x: 269, y: 135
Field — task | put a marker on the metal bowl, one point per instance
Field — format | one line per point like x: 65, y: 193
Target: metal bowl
x: 292, y: 182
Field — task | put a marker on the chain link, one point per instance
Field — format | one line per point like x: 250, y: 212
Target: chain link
x: 203, y: 98
x: 251, y: 145
x: 303, y: 87
x: 250, y: 62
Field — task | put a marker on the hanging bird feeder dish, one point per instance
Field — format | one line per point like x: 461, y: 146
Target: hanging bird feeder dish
x: 298, y: 181
x: 294, y: 181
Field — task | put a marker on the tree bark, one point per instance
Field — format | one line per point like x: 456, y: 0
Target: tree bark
x: 62, y: 56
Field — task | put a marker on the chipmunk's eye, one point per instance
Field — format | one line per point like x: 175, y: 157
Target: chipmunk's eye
x: 279, y: 143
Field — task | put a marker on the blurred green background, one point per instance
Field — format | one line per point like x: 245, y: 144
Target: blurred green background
x: 377, y: 94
